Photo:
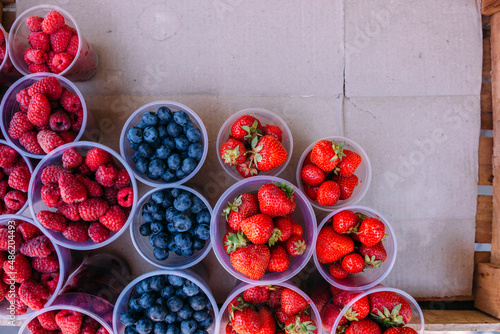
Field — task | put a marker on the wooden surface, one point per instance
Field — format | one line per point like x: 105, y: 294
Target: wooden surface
x: 484, y: 217
x: 485, y: 161
x: 490, y: 7
x: 486, y: 289
x: 443, y: 320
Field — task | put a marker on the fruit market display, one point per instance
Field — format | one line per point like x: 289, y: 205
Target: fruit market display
x: 14, y: 180
x: 65, y: 322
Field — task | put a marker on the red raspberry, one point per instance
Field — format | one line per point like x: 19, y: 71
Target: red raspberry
x: 39, y: 110
x: 30, y: 143
x: 40, y: 246
x: 35, y: 56
x: 106, y: 175
x: 76, y: 120
x: 98, y: 232
x: 70, y: 101
x: 3, y: 290
x: 123, y: 179
x: 97, y: 157
x: 28, y: 231
x: 60, y: 39
x: 49, y: 86
x: 19, y: 124
x: 76, y: 231
x: 24, y: 99
x: 114, y: 219
x: 19, y: 269
x: 34, y: 23
x: 52, y: 22
x: 4, y: 185
x: 59, y: 121
x: 8, y: 156
x: 93, y: 188
x: 92, y: 209
x: 72, y: 190
x: 60, y: 62
x: 111, y: 196
x: 69, y: 211
x: 50, y: 281
x: 69, y: 321
x: 39, y: 41
x: 15, y: 200
x: 126, y: 197
x: 102, y: 330
x: 84, y: 169
x: 47, y: 264
x: 52, y: 220
x: 48, y: 320
x: 20, y: 178
x: 51, y: 174
x: 4, y: 239
x: 33, y: 294
x: 49, y: 140
x: 38, y: 68
x: 51, y: 195
x: 68, y: 136
x: 3, y: 51
x: 19, y: 163
x: 89, y: 326
x: 71, y: 158
x: 35, y: 328
x: 72, y: 49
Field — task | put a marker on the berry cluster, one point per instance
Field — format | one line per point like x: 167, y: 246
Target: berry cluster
x: 33, y: 269
x: 168, y: 304
x: 176, y: 221
x: 53, y: 43
x: 268, y: 310
x: 351, y: 242
x: 253, y: 148
x: 50, y: 116
x: 261, y: 235
x: 65, y: 322
x: 327, y: 173
x: 14, y: 180
x: 91, y: 194
x: 3, y: 46
x: 167, y: 145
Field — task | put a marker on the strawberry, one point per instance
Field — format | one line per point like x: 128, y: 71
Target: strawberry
x: 234, y: 240
x: 256, y: 295
x: 52, y: 220
x: 365, y: 326
x: 347, y: 185
x: 300, y: 324
x: 274, y: 131
x: 69, y: 321
x: 337, y: 271
x: 268, y: 324
x: 312, y: 175
x: 371, y: 231
x: 52, y: 22
x: 329, y: 316
x: 49, y: 86
x: 374, y: 256
x: 258, y: 229
x: 331, y: 247
x: 321, y: 295
x: 72, y: 190
x: 238, y: 303
x: 229, y: 329
x: 247, y: 169
x: 348, y: 164
x: 296, y: 246
x: 251, y: 260
x: 344, y: 221
x: 269, y: 153
x: 245, y: 128
x: 328, y: 193
x: 400, y: 330
x: 353, y: 263
x: 390, y: 308
x: 296, y: 228
x: 327, y: 154
x: 233, y: 152
x: 292, y: 302
x: 275, y: 297
x: 284, y: 225
x: 246, y: 321
x: 359, y: 310
x: 276, y: 200
x: 243, y: 206
x: 280, y: 260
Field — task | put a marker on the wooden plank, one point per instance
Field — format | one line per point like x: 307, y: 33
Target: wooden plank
x: 9, y: 16
x: 8, y: 1
x: 470, y: 320
x: 486, y: 21
x: 481, y: 257
x: 486, y: 54
x: 485, y: 161
x: 484, y: 216
x: 486, y: 289
x: 486, y: 107
x: 490, y: 7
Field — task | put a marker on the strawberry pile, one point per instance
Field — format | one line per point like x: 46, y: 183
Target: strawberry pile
x: 53, y: 43
x: 92, y: 196
x: 3, y: 46
x: 327, y: 173
x: 351, y: 242
x: 65, y: 322
x: 269, y: 310
x: 14, y: 180
x: 261, y: 235
x: 30, y: 263
x: 253, y: 148
x: 49, y: 116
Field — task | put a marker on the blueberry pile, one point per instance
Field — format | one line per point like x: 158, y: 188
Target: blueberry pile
x: 176, y: 221
x: 167, y: 145
x: 167, y: 304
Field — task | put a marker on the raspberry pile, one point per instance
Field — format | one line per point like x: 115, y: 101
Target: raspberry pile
x: 3, y: 46
x: 175, y: 220
x: 350, y: 242
x: 49, y: 116
x: 53, y: 43
x: 268, y: 310
x: 14, y: 180
x: 167, y: 145
x: 65, y: 322
x: 167, y: 304
x: 92, y: 196
x: 253, y: 148
x: 33, y: 267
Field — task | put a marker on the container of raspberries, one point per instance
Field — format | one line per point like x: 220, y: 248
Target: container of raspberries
x: 268, y: 309
x: 164, y: 142
x: 356, y: 248
x: 34, y: 267
x: 8, y: 73
x: 263, y: 230
x: 171, y: 227
x: 334, y: 172
x: 41, y: 112
x: 15, y: 175
x: 82, y: 194
x: 166, y: 301
x: 254, y: 142
x: 46, y: 38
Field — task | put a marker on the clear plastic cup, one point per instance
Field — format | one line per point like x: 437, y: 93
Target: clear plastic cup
x: 55, y: 158
x: 9, y: 106
x: 223, y: 317
x: 369, y: 277
x: 126, y: 150
x: 8, y: 73
x: 83, y: 66
x: 363, y: 172
x: 64, y: 257
x: 265, y: 117
x: 142, y: 245
x: 303, y: 215
x: 129, y: 291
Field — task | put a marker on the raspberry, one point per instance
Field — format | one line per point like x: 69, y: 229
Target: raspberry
x: 51, y: 195
x: 71, y: 158
x: 84, y: 169
x: 38, y: 68
x: 19, y: 163
x: 34, y: 23
x: 16, y: 239
x: 114, y: 219
x: 3, y: 51
x: 50, y: 281
x: 35, y: 56
x: 97, y: 157
x: 76, y: 231
x: 51, y: 174
x: 52, y: 22
x: 72, y: 49
x: 93, y: 188
x: 20, y: 178
x: 69, y: 321
x: 69, y: 211
x: 15, y: 200
x: 52, y: 220
x: 102, y: 330
x: 28, y: 231
x: 59, y: 121
x: 19, y: 124
x: 49, y: 140
x: 48, y: 320
x: 39, y: 41
x: 126, y: 197
x: 39, y: 110
x: 40, y: 246
x: 30, y: 143
x: 24, y: 99
x: 33, y: 294
x: 106, y: 175
x: 98, y: 232
x: 47, y: 264
x: 60, y: 39
x: 123, y: 179
x: 111, y: 196
x: 92, y: 209
x: 72, y: 191
x: 8, y: 156
x: 35, y: 328
x: 19, y: 269
x: 89, y: 326
x: 68, y: 136
x: 49, y: 86
x: 70, y: 101
x: 3, y: 290
x: 60, y: 62
x: 76, y: 120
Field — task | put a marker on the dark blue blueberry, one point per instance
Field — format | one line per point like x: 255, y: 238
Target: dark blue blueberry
x: 183, y: 202
x: 174, y: 129
x: 170, y: 213
x: 170, y: 318
x: 178, y: 251
x: 197, y: 205
x: 134, y: 302
x: 143, y: 287
x: 174, y: 161
x: 182, y: 143
x: 169, y: 176
x: 147, y: 217
x: 198, y: 244
x: 157, y: 167
x: 180, y: 117
x: 202, y: 231
x: 160, y: 328
x: 188, y: 165
x: 129, y: 317
x: 199, y: 316
x: 193, y: 134
x: 173, y: 329
x: 207, y: 323
x: 180, y: 174
x: 136, y: 156
x: 195, y: 151
x: 198, y: 302
x: 157, y: 283
x: 182, y: 223
x: 190, y: 288
x: 169, y: 141
x: 189, y: 124
x: 147, y: 299
x: 142, y: 125
x: 185, y: 312
x: 161, y: 254
x: 180, y: 293
x: 145, y: 229
x: 163, y: 152
x: 152, y: 238
x: 157, y: 227
x: 184, y: 154
x: 203, y: 217
x: 157, y: 312
x: 168, y: 200
x: 156, y: 144
x: 172, y: 246
x: 165, y: 114
x: 144, y: 326
x: 183, y: 241
x: 150, y: 206
x: 175, y: 280
x: 161, y: 301
x: 191, y: 231
x: 146, y: 150
x: 151, y: 134
x: 175, y: 192
x: 134, y: 146
x: 174, y: 303
x: 158, y: 197
x: 188, y: 326
x: 130, y: 330
x: 162, y: 131
x: 168, y: 291
x: 150, y: 118
x: 171, y: 228
x: 142, y: 165
x: 134, y: 135
x: 161, y: 240
x: 160, y: 216
x: 187, y: 252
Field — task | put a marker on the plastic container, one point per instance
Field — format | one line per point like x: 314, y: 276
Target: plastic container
x: 126, y: 150
x: 223, y: 317
x: 55, y: 158
x: 64, y: 257
x: 303, y: 215
x: 265, y: 117
x: 142, y: 245
x: 8, y: 73
x: 363, y: 172
x: 10, y: 106
x: 369, y: 277
x: 129, y: 291
x: 83, y: 66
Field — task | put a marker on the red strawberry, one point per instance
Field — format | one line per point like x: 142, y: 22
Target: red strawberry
x: 49, y: 86
x: 349, y: 163
x: 52, y: 22
x: 400, y: 330
x: 52, y: 220
x: 256, y: 295
x: 276, y: 200
x: 390, y: 308
x: 72, y: 190
x: 30, y: 142
x: 18, y: 269
x: 258, y: 229
x: 331, y: 247
x: 321, y: 295
x: 28, y: 231
x: 47, y: 264
x: 60, y: 62
x: 312, y: 175
x: 247, y: 169
x: 125, y: 197
x: 296, y: 246
x: 371, y: 231
x: 229, y: 329
x: 48, y: 320
x: 292, y: 302
x: 329, y: 316
x: 296, y: 228
x: 49, y: 140
x: 300, y: 324
x: 233, y: 152
x: 92, y: 209
x: 328, y: 193
x: 280, y: 260
x: 59, y: 40
x: 39, y: 41
x: 34, y: 23
x: 275, y: 297
x: 246, y: 321
x: 69, y: 321
x: 40, y: 246
x: 347, y: 185
x: 337, y: 271
x: 359, y: 310
x: 344, y: 221
x: 97, y: 157
x: 284, y: 225
x: 114, y: 219
x: 98, y: 232
x: 19, y: 179
x: 268, y: 324
x: 269, y: 153
x: 374, y: 256
x: 243, y: 206
x: 251, y: 260
x: 19, y: 124
x: 245, y: 128
x: 273, y: 130
x: 51, y: 174
x: 365, y: 326
x: 70, y: 101
x: 353, y: 263
x: 233, y: 241
x: 326, y: 154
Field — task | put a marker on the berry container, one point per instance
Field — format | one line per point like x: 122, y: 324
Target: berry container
x: 127, y: 151
x: 8, y: 73
x: 64, y: 257
x: 9, y: 106
x: 145, y: 249
x: 55, y: 158
x: 363, y: 172
x: 129, y: 291
x: 82, y: 68
x: 223, y: 318
x: 265, y: 117
x: 303, y: 215
x: 369, y: 277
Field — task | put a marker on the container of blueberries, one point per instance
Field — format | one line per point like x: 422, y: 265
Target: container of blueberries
x: 171, y: 227
x: 164, y: 142
x: 164, y: 302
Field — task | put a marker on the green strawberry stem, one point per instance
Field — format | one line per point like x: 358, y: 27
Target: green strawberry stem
x: 252, y: 131
x: 372, y: 262
x: 298, y: 327
x: 389, y: 318
x: 231, y: 207
x: 361, y: 216
x: 351, y: 315
x: 338, y: 149
x: 274, y: 237
x: 287, y: 189
x: 235, y: 241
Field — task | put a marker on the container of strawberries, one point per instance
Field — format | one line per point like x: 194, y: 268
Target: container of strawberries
x: 263, y: 230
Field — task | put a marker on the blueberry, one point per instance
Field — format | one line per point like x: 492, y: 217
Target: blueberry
x: 169, y: 176
x: 203, y: 217
x: 169, y: 142
x: 168, y: 291
x: 197, y: 204
x: 146, y: 150
x: 160, y: 328
x: 178, y: 252
x: 184, y: 154
x: 142, y: 125
x: 174, y: 303
x: 129, y: 317
x: 145, y: 229
x: 161, y: 240
x: 185, y: 312
x: 142, y: 287
x: 190, y: 288
x: 202, y: 231
x: 150, y: 207
x: 195, y: 151
x: 163, y: 152
x: 199, y: 316
x: 156, y: 227
x: 175, y: 280
x: 174, y: 129
x: 161, y: 254
x: 167, y: 199
x: 142, y: 165
x: 147, y: 299
x: 193, y: 134
x: 130, y: 330
x: 157, y: 167
x: 134, y: 146
x: 180, y: 117
x: 182, y: 143
x: 150, y: 118
x: 147, y: 217
x: 183, y: 202
x: 175, y: 192
x: 180, y: 293
x: 144, y: 326
x: 187, y: 252
x: 158, y: 197
x: 152, y: 241
x: 188, y: 326
x: 188, y: 165
x: 170, y: 214
x: 198, y: 302
x: 207, y: 323
x: 160, y: 216
x: 174, y: 161
x: 183, y: 241
x: 189, y: 124
x: 162, y: 131
x: 161, y: 301
x: 172, y: 246
x: 157, y: 283
x: 157, y: 312
x: 198, y: 244
x: 182, y: 223
x: 150, y: 134
x: 170, y: 318
x: 173, y: 329
x: 180, y: 174
x: 134, y: 135
x: 165, y: 114
x: 134, y: 303
x: 136, y: 156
